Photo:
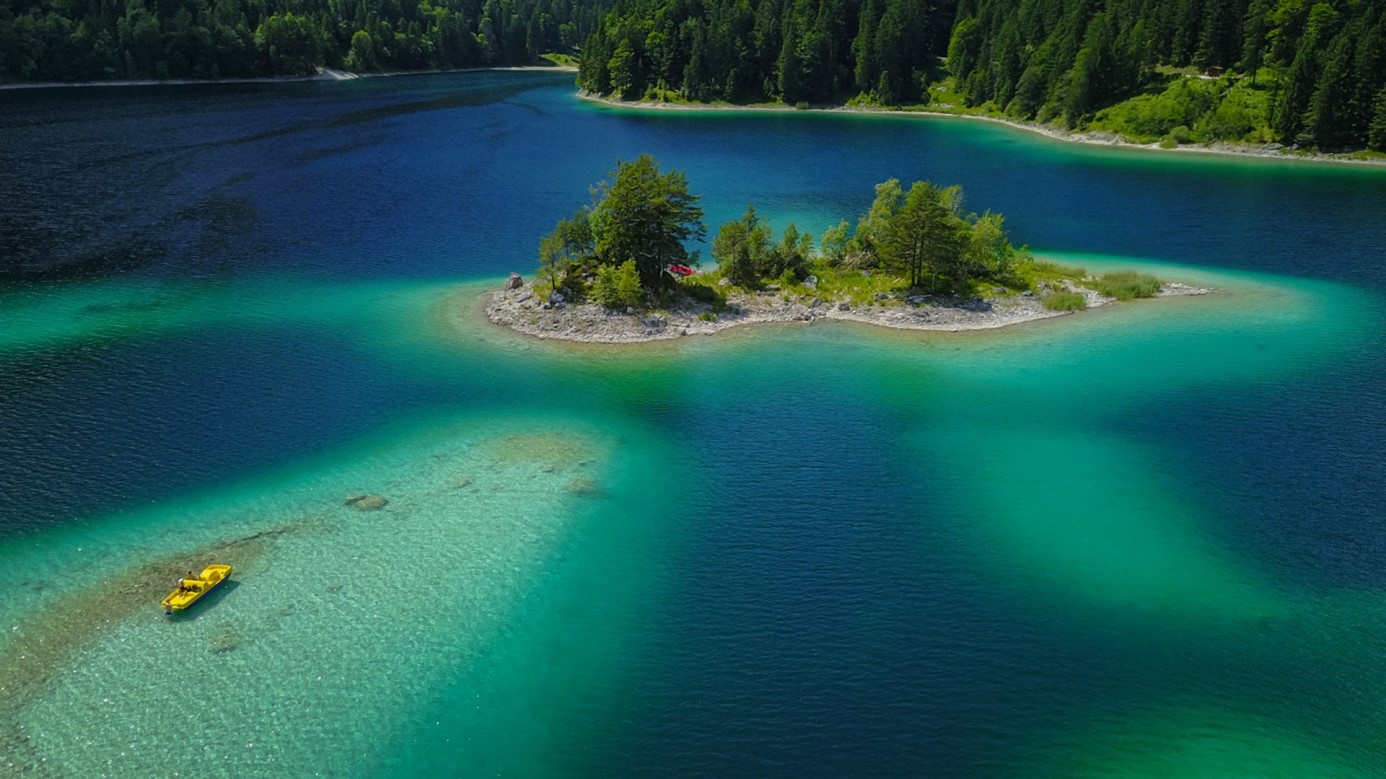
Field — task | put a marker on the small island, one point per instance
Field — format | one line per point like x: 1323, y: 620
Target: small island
x: 619, y: 271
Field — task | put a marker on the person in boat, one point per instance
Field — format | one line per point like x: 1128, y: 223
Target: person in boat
x: 182, y: 587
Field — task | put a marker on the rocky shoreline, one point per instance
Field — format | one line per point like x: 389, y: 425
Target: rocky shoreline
x: 517, y: 307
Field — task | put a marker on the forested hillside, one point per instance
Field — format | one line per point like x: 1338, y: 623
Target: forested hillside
x: 1298, y: 71
x: 63, y: 40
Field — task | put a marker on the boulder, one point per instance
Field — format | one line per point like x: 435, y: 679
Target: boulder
x: 811, y: 282
x: 844, y: 306
x: 515, y: 281
x: 724, y: 282
x: 366, y: 502
x: 556, y: 297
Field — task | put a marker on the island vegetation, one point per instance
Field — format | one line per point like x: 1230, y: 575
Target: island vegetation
x: 51, y: 40
x: 916, y: 258
x: 1297, y: 72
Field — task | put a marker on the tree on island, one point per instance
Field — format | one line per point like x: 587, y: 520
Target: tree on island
x: 647, y: 216
x: 618, y: 253
x: 746, y: 253
x: 618, y: 250
x: 924, y: 232
x: 921, y: 234
x: 925, y: 235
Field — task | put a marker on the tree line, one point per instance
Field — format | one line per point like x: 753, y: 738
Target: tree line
x: 624, y: 250
x: 70, y: 40
x: 1320, y: 65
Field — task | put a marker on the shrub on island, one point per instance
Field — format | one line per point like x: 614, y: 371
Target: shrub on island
x: 618, y: 286
x: 1064, y: 301
x: 1125, y: 285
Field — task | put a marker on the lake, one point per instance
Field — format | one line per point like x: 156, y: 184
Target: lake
x: 1144, y: 540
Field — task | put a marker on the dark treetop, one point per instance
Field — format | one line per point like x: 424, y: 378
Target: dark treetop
x: 54, y: 40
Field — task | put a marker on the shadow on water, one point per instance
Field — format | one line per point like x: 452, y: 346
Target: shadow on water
x: 199, y: 235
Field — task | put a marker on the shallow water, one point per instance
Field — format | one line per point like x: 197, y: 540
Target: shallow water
x: 1139, y: 541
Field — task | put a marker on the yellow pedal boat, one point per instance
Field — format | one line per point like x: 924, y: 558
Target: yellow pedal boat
x: 192, y: 589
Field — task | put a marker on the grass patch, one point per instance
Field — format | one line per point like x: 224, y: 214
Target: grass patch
x: 1065, y: 301
x: 859, y: 288
x: 1031, y: 274
x: 560, y: 59
x: 1126, y: 285
x: 856, y: 287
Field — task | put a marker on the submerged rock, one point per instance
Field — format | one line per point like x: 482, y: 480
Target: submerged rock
x: 366, y: 502
x: 224, y: 642
x: 581, y: 485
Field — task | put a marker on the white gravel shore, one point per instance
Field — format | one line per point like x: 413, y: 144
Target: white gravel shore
x: 521, y: 310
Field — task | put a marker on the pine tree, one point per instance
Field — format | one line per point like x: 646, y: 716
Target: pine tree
x: 866, y: 70
x: 1254, y: 30
x: 1376, y: 134
x: 646, y: 216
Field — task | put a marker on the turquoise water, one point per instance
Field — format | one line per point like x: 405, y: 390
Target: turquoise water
x: 1141, y: 541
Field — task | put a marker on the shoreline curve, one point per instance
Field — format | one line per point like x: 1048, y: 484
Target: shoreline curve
x: 1103, y: 139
